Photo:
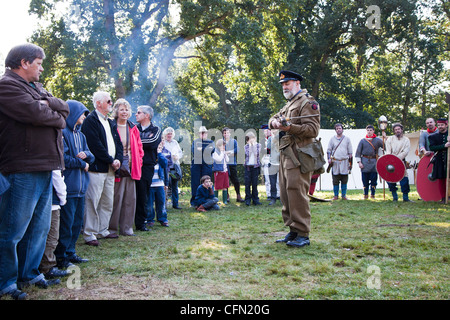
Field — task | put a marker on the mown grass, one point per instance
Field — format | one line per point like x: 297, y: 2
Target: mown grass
x: 231, y: 254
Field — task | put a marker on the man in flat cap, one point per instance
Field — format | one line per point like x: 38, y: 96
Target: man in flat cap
x: 439, y: 144
x: 299, y: 125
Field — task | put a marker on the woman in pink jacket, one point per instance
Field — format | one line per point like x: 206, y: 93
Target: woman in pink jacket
x: 125, y: 188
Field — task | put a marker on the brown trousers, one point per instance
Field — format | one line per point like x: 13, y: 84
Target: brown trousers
x: 294, y: 188
x: 124, y: 207
x: 49, y: 259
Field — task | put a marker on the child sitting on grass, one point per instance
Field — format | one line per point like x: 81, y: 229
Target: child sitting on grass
x: 204, y: 197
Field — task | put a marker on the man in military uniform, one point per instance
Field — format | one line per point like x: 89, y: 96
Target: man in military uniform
x: 299, y: 125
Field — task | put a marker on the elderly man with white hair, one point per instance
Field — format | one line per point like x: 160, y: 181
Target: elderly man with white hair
x: 104, y: 142
x: 176, y: 154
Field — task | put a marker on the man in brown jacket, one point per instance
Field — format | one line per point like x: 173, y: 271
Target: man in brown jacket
x: 31, y: 146
x: 299, y: 124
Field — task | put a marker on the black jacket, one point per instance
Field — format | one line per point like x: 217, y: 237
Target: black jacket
x: 96, y: 140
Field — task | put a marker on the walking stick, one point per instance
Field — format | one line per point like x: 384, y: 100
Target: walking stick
x: 447, y: 99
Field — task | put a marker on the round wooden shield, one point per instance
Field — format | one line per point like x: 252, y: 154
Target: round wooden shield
x: 428, y: 190
x: 391, y: 168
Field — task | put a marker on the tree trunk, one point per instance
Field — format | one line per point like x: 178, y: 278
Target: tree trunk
x: 318, y: 80
x: 167, y: 56
x: 113, y: 46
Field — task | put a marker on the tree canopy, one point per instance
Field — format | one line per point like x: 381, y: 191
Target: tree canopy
x: 217, y: 60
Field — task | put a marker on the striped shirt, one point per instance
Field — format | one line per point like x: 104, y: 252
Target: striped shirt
x: 157, y: 181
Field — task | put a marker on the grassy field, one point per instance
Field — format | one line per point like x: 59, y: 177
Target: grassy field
x: 360, y: 249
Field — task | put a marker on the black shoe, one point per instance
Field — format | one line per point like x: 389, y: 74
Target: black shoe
x: 15, y: 294
x: 143, y: 228
x: 299, y: 242
x: 77, y: 259
x: 178, y: 208
x: 247, y: 202
x: 256, y: 203
x: 289, y: 237
x: 63, y: 263
x: 272, y: 202
x: 55, y: 273
x: 44, y: 283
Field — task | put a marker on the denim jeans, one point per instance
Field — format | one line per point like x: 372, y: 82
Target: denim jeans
x: 251, y: 177
x: 25, y: 215
x: 404, y: 186
x: 71, y: 221
x: 211, y: 204
x: 174, y: 188
x: 157, y: 201
x: 273, y: 178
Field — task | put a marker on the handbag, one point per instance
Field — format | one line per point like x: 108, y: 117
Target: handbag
x: 176, y: 172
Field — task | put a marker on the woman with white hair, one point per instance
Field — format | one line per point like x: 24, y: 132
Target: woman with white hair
x: 131, y: 170
x: 252, y: 168
x: 176, y: 154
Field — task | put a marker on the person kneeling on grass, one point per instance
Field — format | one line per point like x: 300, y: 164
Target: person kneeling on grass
x: 204, y: 197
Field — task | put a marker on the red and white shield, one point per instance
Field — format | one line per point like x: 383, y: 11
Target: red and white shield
x: 391, y: 168
x: 427, y: 189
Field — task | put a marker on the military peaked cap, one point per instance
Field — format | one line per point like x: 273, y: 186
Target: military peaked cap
x: 286, y: 75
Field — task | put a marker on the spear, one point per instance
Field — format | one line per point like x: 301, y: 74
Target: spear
x: 447, y: 99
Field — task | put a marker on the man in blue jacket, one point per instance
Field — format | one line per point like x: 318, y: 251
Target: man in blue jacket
x: 201, y: 164
x: 77, y: 158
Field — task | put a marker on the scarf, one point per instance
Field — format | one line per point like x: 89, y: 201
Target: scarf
x: 431, y: 131
x: 374, y: 136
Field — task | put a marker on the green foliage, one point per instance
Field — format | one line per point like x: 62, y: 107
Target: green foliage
x: 217, y: 61
x: 392, y: 71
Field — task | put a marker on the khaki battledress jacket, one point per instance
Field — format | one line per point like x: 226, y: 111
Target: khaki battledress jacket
x: 294, y: 185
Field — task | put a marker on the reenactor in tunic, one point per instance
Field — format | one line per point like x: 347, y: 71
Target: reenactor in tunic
x: 366, y: 156
x: 399, y: 145
x: 424, y: 145
x: 439, y: 144
x: 339, y: 153
x: 299, y: 125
